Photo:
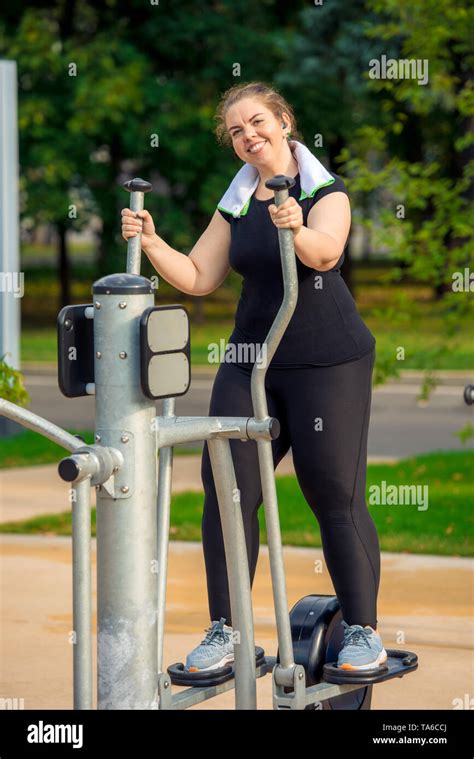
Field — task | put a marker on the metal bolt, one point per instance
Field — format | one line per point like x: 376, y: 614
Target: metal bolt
x: 98, y: 354
x: 97, y: 304
x: 166, y: 684
x: 97, y: 438
x: 124, y: 438
x: 68, y: 324
x: 123, y: 354
x: 124, y: 488
x: 300, y: 675
x: 122, y: 304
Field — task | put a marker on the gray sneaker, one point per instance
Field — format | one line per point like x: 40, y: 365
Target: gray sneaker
x: 215, y: 651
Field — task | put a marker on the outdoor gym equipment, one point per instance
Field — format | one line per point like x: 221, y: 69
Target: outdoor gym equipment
x: 129, y: 353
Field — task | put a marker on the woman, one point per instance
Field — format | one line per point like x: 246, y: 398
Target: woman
x: 319, y: 381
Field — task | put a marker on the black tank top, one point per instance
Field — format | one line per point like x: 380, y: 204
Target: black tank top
x: 326, y: 328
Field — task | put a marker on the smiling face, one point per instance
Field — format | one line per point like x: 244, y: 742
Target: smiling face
x: 257, y: 135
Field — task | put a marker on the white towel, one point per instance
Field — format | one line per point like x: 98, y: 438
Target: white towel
x: 313, y: 176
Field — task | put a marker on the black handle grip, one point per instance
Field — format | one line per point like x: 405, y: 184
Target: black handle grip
x: 137, y: 185
x: 280, y: 182
x: 274, y: 428
x: 68, y: 470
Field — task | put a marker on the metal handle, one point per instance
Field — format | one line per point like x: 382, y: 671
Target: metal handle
x: 280, y: 184
x: 137, y: 188
x: 284, y: 673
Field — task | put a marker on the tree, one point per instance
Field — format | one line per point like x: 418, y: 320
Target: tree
x: 425, y: 204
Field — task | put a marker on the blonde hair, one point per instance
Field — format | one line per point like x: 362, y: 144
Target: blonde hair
x: 269, y: 96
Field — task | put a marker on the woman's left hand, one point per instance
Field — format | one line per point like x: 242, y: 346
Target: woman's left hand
x: 289, y: 215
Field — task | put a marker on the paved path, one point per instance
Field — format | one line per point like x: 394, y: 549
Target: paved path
x: 425, y: 605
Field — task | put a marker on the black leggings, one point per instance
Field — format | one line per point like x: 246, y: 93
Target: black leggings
x: 330, y: 464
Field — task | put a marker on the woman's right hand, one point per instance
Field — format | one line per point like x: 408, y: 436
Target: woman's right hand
x: 134, y: 222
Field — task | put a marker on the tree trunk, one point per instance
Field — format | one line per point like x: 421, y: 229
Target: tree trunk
x: 63, y: 266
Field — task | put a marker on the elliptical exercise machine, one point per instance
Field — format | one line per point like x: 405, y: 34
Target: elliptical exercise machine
x: 128, y: 353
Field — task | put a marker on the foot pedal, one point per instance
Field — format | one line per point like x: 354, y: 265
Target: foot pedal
x: 179, y: 676
x: 398, y: 663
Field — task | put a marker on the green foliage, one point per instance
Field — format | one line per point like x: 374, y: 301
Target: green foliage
x: 108, y: 91
x: 466, y: 433
x: 11, y: 384
x: 115, y: 89
x: 416, y: 167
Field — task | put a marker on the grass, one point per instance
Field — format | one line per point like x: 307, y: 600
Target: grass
x: 28, y: 448
x: 444, y: 528
x: 373, y: 292
x: 39, y: 345
x: 37, y: 254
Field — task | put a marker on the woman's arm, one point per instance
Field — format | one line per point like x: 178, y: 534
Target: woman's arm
x: 199, y: 273
x: 320, y: 244
x: 204, y: 269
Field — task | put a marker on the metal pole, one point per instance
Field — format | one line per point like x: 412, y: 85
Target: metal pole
x: 126, y: 520
x: 137, y: 187
x: 237, y: 563
x: 82, y: 595
x: 11, y: 279
x: 165, y: 471
x: 280, y: 185
x: 126, y: 523
x: 9, y: 257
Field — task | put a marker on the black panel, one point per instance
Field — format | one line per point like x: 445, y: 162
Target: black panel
x: 75, y: 332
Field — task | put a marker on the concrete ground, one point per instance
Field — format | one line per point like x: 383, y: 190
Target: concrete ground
x: 425, y: 605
